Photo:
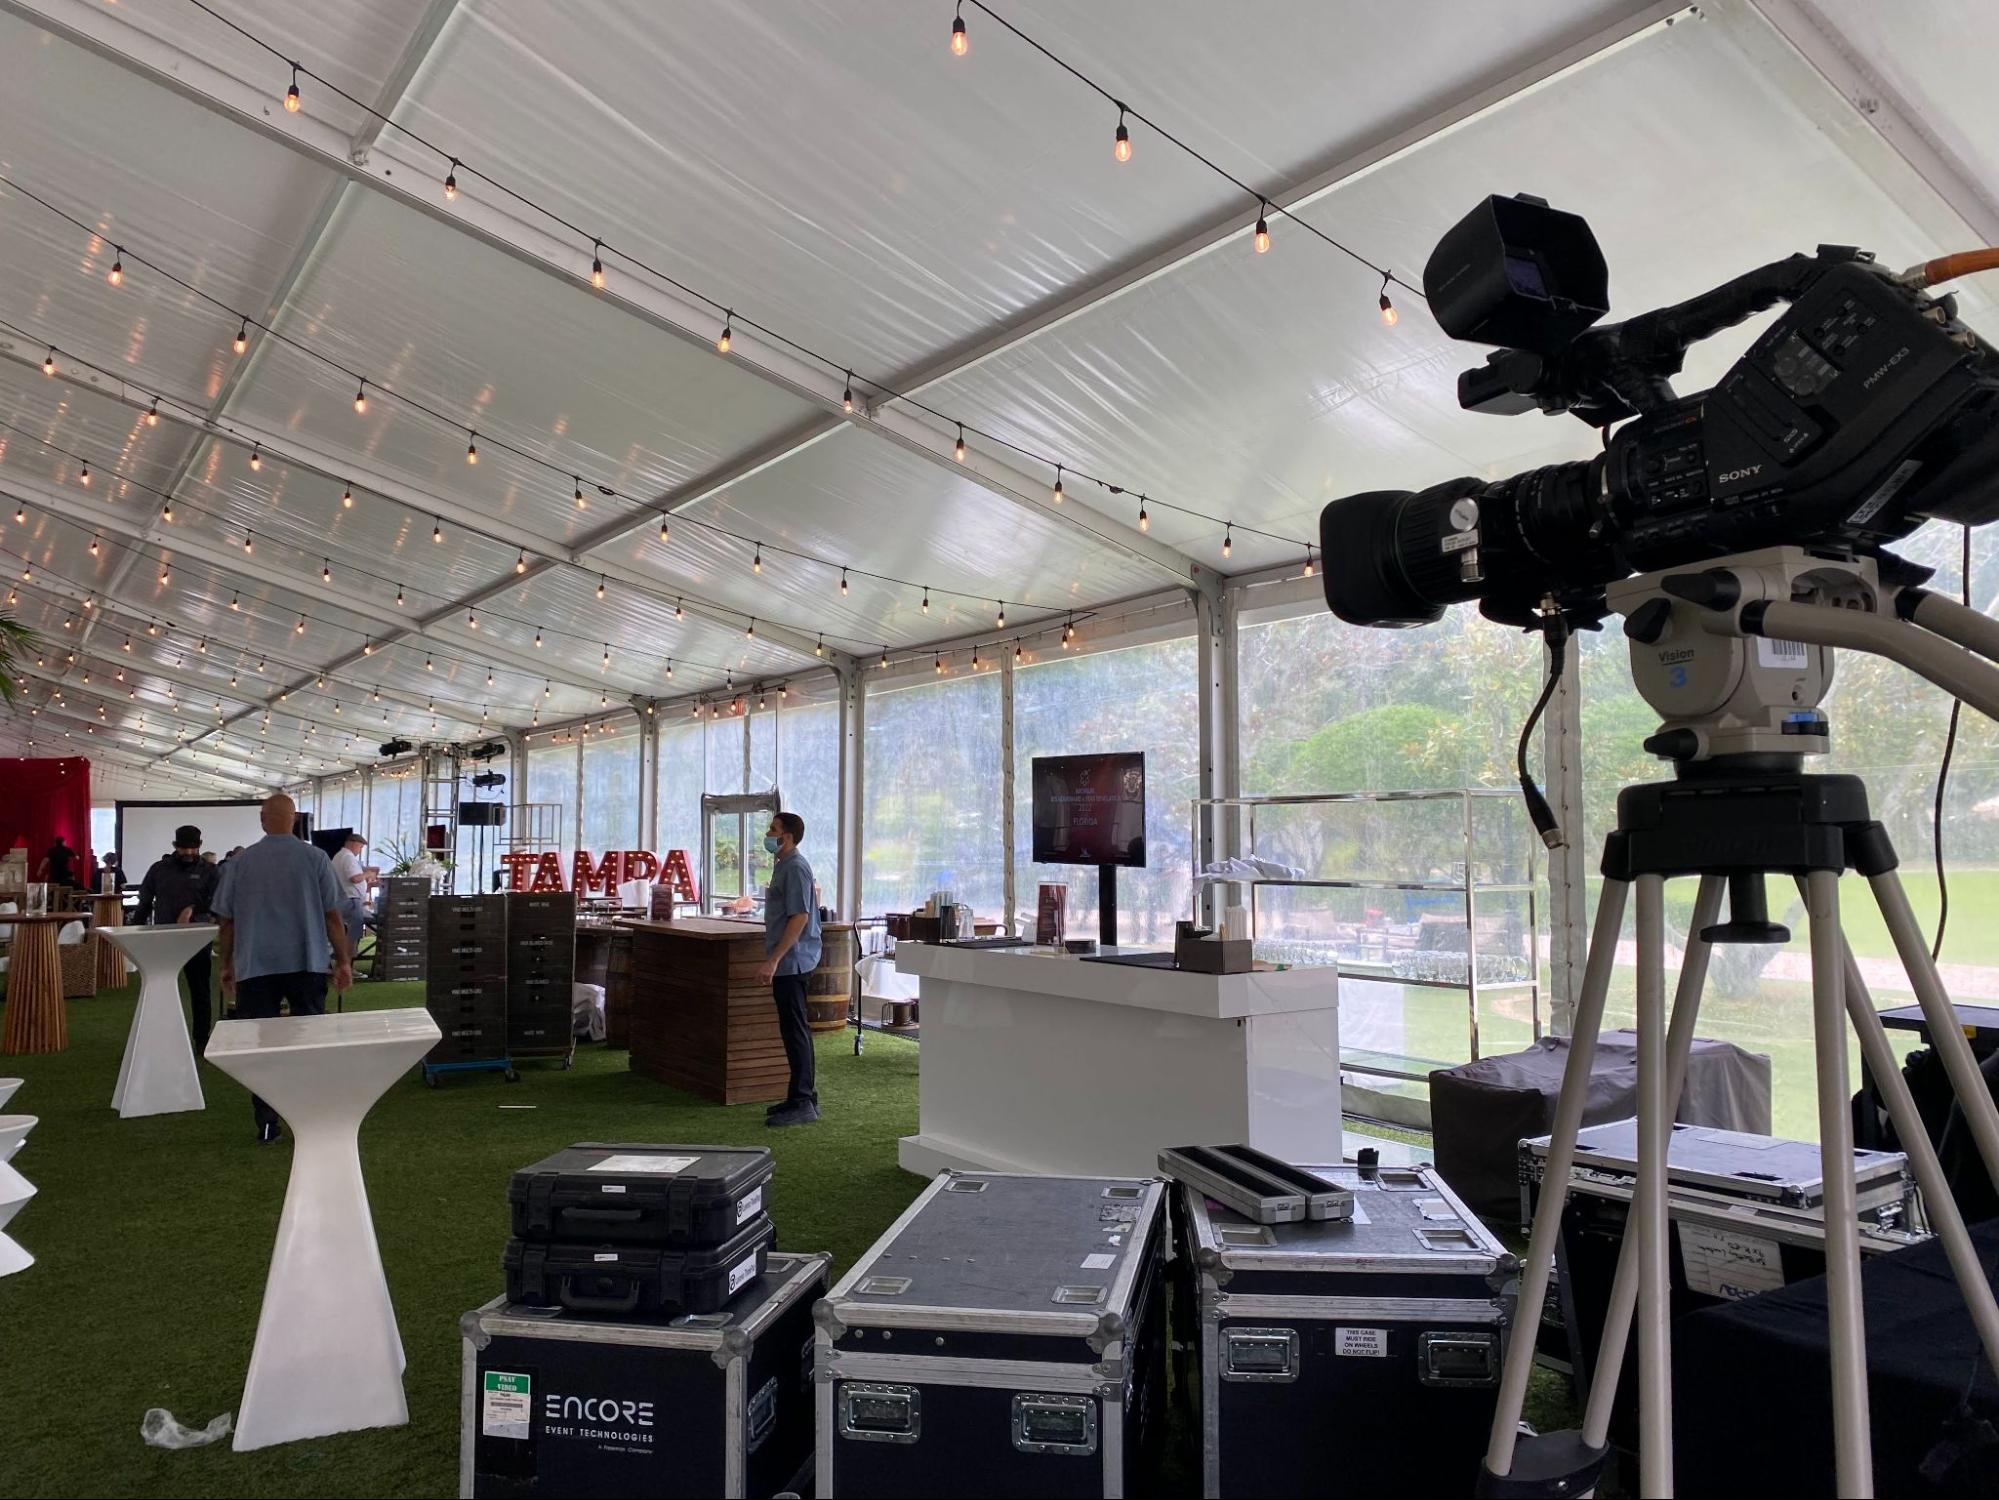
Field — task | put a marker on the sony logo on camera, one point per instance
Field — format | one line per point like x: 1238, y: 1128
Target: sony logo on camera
x: 600, y: 1410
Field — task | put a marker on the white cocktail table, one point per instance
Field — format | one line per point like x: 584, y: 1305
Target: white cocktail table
x: 158, y: 1076
x: 15, y: 1191
x: 328, y: 1357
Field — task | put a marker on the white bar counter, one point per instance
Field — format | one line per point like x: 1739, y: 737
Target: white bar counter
x: 1034, y: 1061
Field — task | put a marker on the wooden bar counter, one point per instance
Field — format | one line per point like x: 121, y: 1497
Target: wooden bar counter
x: 698, y: 1018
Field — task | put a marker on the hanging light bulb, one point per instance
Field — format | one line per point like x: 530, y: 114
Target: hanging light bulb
x: 1001, y: 622
x: 1018, y: 655
x: 291, y: 94
x: 847, y: 396
x: 1308, y: 560
x: 93, y: 545
x: 428, y: 666
x: 1228, y: 538
x: 597, y: 264
x: 166, y: 574
x: 236, y: 600
x: 242, y: 337
x: 1262, y: 228
x: 521, y: 562
x: 299, y: 629
x: 203, y: 647
x: 20, y: 513
x: 1056, y: 494
x: 83, y: 474
x: 679, y: 610
x: 960, y: 43
x: 669, y: 666
x: 820, y: 648
x: 399, y: 595
x: 361, y: 397
x: 153, y: 413
x: 545, y: 688
x: 757, y: 562
x: 347, y: 498
x: 600, y: 585
x: 1069, y: 630
x: 958, y: 448
x: 249, y: 542
x: 326, y: 570
x: 451, y: 181
x: 49, y: 364
x: 167, y: 511
x: 728, y: 330
x: 843, y: 582
x: 436, y: 529
x: 665, y: 532
x: 1144, y: 520
x: 606, y: 666
x: 472, y: 622
x: 117, y: 275
x: 940, y: 666
x: 1389, y: 316
x: 1121, y: 145
x: 537, y: 638
x: 471, y: 447
x: 926, y: 599
x: 368, y: 647
x: 256, y: 457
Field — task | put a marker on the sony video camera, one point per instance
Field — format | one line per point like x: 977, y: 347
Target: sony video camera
x: 1864, y: 410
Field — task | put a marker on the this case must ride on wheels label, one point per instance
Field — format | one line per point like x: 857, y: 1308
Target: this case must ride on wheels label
x: 1364, y: 1343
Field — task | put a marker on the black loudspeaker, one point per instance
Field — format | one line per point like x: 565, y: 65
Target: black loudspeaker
x: 482, y: 814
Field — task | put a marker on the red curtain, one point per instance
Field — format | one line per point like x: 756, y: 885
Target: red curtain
x: 40, y: 799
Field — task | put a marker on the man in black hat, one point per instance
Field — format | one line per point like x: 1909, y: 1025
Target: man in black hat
x: 177, y: 890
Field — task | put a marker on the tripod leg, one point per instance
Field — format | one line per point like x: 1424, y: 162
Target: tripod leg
x: 1648, y: 1198
x: 1561, y: 1156
x: 1945, y: 1220
x: 1679, y: 1044
x: 1852, y: 1441
x: 1945, y: 1033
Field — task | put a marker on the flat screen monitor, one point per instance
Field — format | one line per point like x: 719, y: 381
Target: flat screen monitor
x: 1089, y: 809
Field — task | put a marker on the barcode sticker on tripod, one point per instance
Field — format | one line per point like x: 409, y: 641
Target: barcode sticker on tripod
x: 1723, y: 1263
x: 1791, y: 656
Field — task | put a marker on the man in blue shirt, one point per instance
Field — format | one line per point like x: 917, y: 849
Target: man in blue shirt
x: 791, y: 953
x: 282, y: 929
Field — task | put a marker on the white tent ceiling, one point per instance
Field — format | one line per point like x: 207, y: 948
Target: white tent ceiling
x: 954, y: 230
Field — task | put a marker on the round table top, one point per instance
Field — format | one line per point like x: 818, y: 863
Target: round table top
x: 47, y: 916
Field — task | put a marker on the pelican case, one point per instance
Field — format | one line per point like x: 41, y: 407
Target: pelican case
x: 557, y: 1403
x: 1005, y: 1337
x: 635, y: 1281
x: 675, y: 1197
x: 1327, y: 1355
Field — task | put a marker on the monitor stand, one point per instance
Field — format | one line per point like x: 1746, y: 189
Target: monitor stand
x: 1106, y: 906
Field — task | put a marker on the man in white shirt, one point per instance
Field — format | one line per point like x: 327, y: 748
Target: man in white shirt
x: 353, y: 887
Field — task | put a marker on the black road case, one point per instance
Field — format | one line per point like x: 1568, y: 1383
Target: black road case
x: 559, y: 1404
x: 1341, y: 1356
x: 1748, y: 1216
x: 1006, y: 1336
x: 636, y: 1280
x: 670, y: 1196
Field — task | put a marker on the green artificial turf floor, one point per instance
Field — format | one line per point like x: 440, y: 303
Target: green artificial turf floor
x: 152, y: 1237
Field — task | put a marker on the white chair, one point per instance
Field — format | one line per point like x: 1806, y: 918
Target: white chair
x: 7, y: 1087
x: 15, y: 1191
x: 158, y: 1075
x: 328, y: 1356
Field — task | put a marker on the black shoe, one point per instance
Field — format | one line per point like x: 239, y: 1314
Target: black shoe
x: 793, y: 1112
x: 266, y: 1134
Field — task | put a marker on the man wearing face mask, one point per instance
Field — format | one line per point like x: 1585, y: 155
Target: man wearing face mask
x: 177, y: 889
x: 791, y: 953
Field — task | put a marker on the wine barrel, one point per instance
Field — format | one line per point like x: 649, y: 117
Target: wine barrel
x: 829, y: 990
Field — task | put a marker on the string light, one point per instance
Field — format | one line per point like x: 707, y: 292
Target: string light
x: 1056, y: 494
x: 597, y: 264
x: 960, y: 43
x: 236, y: 600
x: 581, y: 503
x: 167, y: 511
x: 1121, y: 147
x: 436, y: 533
x: 1262, y: 227
x: 299, y: 629
x: 399, y: 596
x: 49, y: 364
x: 537, y: 638
x: 607, y: 658
x: 242, y: 337
x: 1069, y: 630
x: 1308, y: 560
x: 166, y: 574
x: 368, y: 646
x: 1144, y: 520
x: 347, y: 498
x: 326, y: 570
x: 291, y: 94
x: 843, y: 583
x: 471, y: 447
x: 361, y: 397
x: 1001, y: 622
x: 679, y: 610
x: 750, y: 630
x: 820, y: 648
x: 1389, y: 316
x: 472, y: 622
x: 958, y: 448
x: 249, y: 542
x: 728, y: 330
x: 665, y: 534
x: 153, y: 413
x: 926, y: 599
x: 1018, y: 655
x: 757, y: 562
x: 521, y: 562
x: 940, y: 666
x: 93, y: 543
x: 117, y: 275
x: 83, y: 474
x: 847, y: 396
x: 451, y: 181
x: 1228, y: 539
x: 669, y: 667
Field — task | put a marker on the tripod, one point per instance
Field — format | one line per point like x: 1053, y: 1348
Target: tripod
x: 1740, y: 710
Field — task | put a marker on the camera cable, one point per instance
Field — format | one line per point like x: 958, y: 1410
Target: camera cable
x: 1556, y: 631
x: 1943, y: 769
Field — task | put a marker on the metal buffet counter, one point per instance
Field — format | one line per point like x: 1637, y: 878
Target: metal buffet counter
x: 697, y: 1017
x: 1037, y: 1062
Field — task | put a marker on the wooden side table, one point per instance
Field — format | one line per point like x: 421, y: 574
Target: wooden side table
x: 36, y: 1020
x: 109, y: 911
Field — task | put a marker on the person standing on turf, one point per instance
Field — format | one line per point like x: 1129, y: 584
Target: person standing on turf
x: 791, y: 953
x: 178, y: 889
x: 282, y: 930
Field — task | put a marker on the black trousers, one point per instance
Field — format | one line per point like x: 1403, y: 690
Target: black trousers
x: 198, y: 972
x: 260, y: 997
x: 789, y: 992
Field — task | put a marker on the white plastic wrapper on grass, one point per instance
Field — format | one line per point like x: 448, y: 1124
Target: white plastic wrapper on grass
x: 160, y: 1430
